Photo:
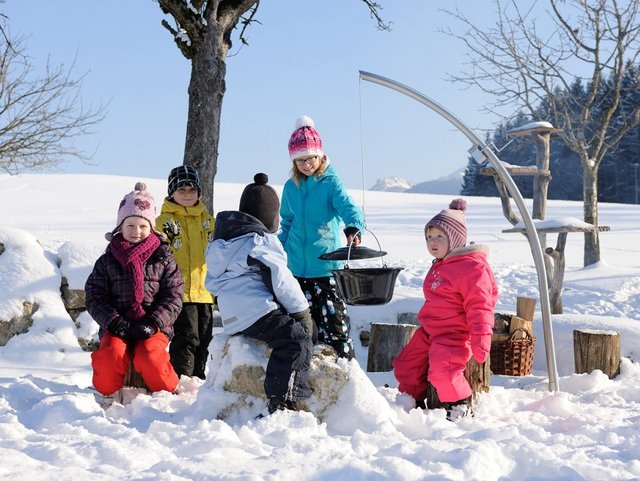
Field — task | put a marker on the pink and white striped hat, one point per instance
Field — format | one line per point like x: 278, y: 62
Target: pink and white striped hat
x: 305, y: 140
x: 451, y: 222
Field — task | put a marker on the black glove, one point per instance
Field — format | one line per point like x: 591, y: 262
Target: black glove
x: 141, y: 330
x: 304, y: 318
x: 120, y: 328
x: 353, y: 235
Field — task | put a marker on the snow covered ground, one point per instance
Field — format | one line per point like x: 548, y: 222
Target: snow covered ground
x: 51, y: 427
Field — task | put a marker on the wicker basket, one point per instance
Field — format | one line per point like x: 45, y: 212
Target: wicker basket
x: 513, y: 357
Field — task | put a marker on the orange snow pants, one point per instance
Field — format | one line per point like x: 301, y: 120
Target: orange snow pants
x: 111, y: 362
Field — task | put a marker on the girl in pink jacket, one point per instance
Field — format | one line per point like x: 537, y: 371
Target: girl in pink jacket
x: 456, y: 319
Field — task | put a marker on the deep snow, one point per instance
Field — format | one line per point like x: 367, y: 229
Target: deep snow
x: 51, y: 427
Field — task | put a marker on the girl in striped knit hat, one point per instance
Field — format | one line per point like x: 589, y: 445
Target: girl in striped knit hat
x: 456, y: 319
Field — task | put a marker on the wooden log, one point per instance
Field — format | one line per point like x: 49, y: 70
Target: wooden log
x: 385, y: 343
x: 478, y: 376
x: 517, y: 325
x: 525, y: 307
x: 596, y: 350
x: 133, y: 378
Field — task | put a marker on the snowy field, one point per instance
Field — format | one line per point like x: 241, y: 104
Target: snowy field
x: 51, y: 428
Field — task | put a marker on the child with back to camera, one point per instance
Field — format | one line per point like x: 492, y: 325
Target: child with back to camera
x: 257, y: 294
x: 135, y: 294
x: 314, y: 204
x: 457, y: 317
x: 189, y: 227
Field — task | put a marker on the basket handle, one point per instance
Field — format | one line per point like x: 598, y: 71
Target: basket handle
x: 528, y: 335
x: 346, y: 264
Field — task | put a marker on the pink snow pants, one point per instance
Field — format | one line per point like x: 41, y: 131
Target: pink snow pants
x: 438, y: 360
x: 111, y: 362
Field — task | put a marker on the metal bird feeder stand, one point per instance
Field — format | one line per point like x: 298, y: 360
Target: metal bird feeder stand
x: 481, y: 151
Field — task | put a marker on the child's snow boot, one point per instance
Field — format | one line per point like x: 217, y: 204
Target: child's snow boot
x: 279, y: 405
x: 459, y: 409
x: 106, y: 401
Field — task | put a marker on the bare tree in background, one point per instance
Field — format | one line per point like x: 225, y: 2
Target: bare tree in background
x: 527, y: 61
x: 40, y: 115
x: 202, y: 32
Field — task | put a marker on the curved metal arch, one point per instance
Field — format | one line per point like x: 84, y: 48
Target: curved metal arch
x: 480, y: 147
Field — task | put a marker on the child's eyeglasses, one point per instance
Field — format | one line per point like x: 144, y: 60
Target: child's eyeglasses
x: 308, y: 161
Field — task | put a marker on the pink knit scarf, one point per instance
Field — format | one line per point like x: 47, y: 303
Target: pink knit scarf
x: 132, y: 258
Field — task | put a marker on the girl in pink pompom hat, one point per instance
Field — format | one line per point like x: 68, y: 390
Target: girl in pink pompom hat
x: 456, y: 320
x: 315, y: 213
x: 135, y: 294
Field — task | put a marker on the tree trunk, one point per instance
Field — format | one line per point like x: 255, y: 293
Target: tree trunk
x: 206, y: 91
x: 590, y: 202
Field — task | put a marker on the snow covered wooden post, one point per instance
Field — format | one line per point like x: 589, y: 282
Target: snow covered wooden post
x: 596, y: 350
x: 540, y: 133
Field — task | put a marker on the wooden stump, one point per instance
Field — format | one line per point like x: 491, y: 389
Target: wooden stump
x: 478, y: 376
x: 385, y: 343
x: 596, y: 350
x: 133, y: 378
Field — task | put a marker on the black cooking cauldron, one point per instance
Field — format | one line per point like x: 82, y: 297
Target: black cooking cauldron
x: 363, y: 286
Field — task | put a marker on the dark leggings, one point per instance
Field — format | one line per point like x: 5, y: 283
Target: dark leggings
x: 287, y: 376
x: 193, y: 332
x: 329, y: 313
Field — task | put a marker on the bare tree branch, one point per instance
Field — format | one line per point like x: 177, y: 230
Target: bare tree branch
x: 203, y: 33
x: 374, y: 11
x: 590, y: 44
x: 40, y: 116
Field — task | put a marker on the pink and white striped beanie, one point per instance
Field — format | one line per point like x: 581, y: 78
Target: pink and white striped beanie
x: 305, y: 140
x: 451, y: 222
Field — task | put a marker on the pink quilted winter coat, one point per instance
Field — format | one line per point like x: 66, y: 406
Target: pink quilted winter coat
x: 460, y: 294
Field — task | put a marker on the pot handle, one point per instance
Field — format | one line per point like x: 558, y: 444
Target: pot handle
x: 346, y: 264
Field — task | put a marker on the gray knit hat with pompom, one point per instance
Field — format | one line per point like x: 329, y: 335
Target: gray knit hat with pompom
x: 451, y: 222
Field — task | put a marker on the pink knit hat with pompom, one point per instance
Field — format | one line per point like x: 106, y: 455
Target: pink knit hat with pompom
x: 138, y: 202
x: 305, y: 140
x: 451, y: 222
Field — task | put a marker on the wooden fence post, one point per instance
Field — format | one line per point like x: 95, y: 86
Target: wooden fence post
x: 596, y: 350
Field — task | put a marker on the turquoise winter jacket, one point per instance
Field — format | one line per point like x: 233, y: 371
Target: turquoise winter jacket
x: 311, y: 217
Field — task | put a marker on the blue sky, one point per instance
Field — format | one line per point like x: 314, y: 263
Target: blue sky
x: 303, y: 58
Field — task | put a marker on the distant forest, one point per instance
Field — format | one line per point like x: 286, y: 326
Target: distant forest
x: 617, y: 176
